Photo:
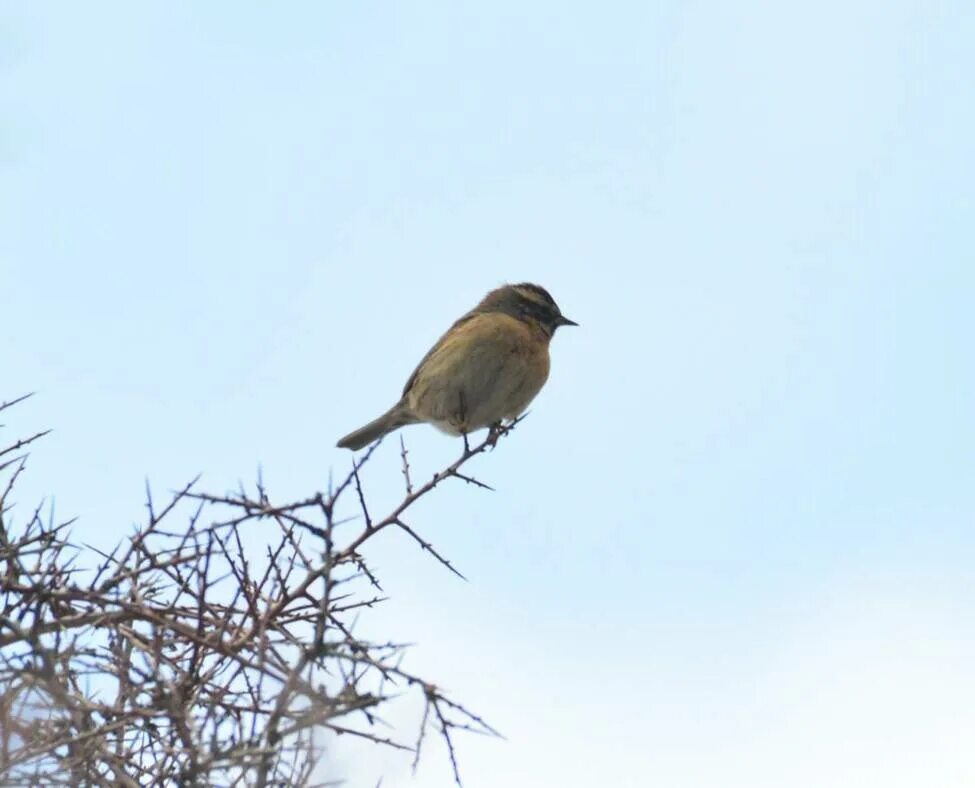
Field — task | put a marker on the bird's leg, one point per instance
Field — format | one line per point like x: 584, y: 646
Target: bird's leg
x: 462, y: 420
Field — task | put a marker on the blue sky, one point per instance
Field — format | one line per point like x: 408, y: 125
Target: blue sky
x: 733, y: 543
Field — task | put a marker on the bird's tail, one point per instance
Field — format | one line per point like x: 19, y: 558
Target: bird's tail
x: 394, y: 418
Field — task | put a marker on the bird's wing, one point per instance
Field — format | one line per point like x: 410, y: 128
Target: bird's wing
x: 435, y: 348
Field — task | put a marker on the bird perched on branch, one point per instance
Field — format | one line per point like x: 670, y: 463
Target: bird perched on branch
x: 487, y: 367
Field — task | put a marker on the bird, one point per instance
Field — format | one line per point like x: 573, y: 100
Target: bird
x: 486, y: 368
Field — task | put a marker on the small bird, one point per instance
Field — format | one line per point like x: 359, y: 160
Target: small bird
x: 487, y: 367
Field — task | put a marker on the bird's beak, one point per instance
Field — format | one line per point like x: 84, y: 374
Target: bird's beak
x: 564, y: 321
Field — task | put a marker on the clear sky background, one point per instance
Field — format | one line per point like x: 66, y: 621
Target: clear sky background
x: 734, y: 543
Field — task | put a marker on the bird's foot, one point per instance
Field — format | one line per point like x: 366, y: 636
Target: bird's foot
x: 495, y: 431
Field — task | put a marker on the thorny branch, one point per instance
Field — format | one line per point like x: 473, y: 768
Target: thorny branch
x: 184, y: 657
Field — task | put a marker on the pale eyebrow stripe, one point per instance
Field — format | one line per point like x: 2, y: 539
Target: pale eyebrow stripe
x: 534, y: 295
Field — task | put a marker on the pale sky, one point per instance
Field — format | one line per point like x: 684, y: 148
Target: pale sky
x: 734, y: 543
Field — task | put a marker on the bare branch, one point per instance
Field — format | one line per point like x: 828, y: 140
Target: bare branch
x: 183, y: 657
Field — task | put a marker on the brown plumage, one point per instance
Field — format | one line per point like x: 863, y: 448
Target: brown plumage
x: 487, y: 367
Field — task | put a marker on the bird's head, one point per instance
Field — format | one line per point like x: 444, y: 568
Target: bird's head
x: 528, y: 302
